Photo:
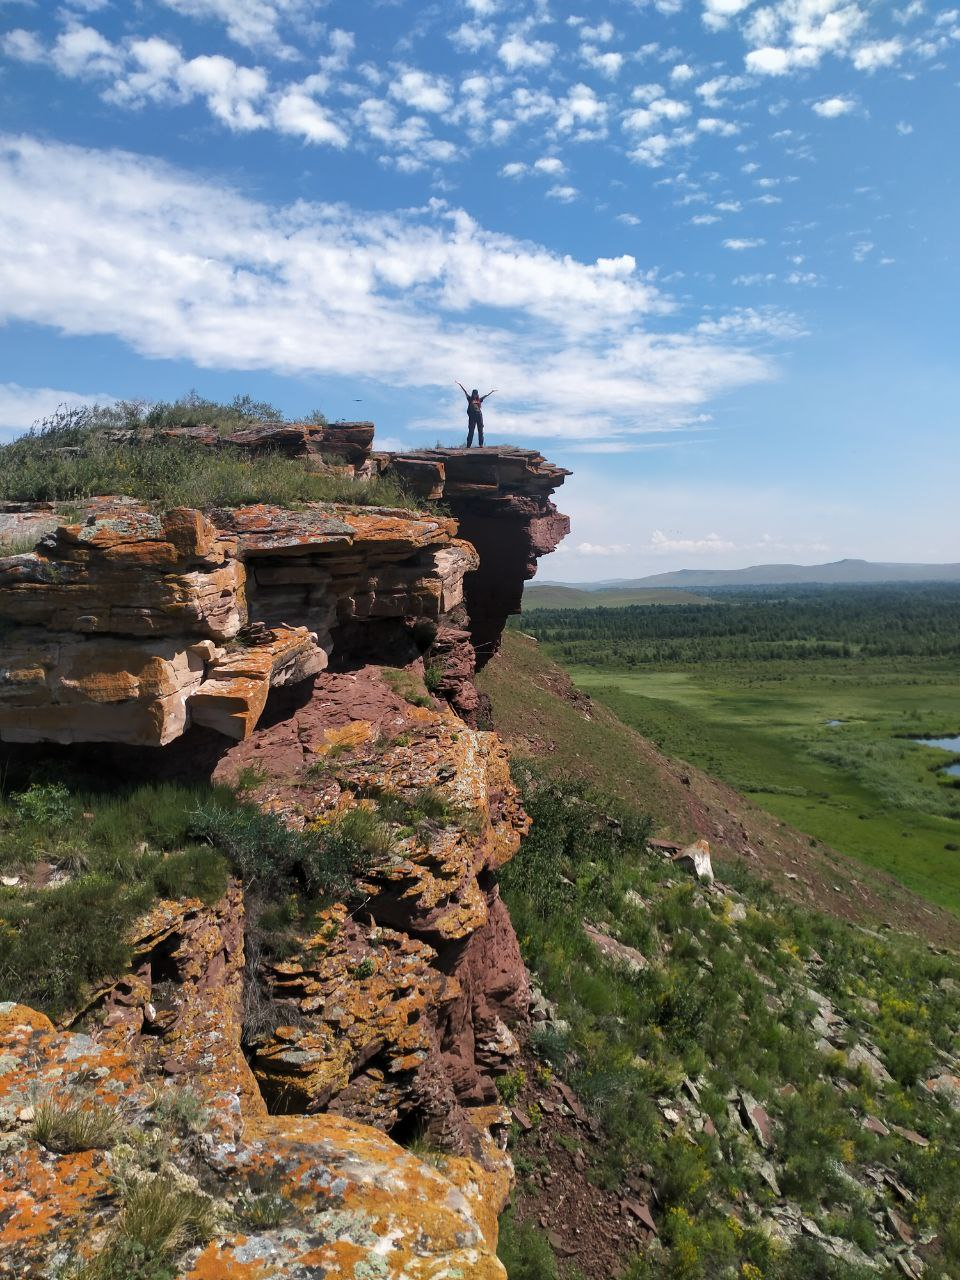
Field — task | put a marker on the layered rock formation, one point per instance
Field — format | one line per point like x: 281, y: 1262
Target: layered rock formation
x: 336, y: 444
x: 398, y: 1011
x: 501, y: 500
x: 127, y: 625
x: 272, y: 1196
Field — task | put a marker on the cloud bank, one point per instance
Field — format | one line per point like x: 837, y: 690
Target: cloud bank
x: 108, y: 243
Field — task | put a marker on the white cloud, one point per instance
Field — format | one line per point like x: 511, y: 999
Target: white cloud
x: 421, y: 90
x: 729, y: 206
x: 607, y: 62
x: 602, y: 33
x: 23, y: 46
x: 295, y: 111
x: 22, y: 407
x: 82, y: 51
x: 629, y: 219
x: 646, y: 92
x: 563, y: 194
x: 768, y: 61
x: 904, y: 129
x: 653, y: 115
x: 181, y: 268
x: 681, y: 73
x: 881, y: 53
x: 830, y: 108
x: 720, y: 128
x: 712, y: 544
x: 551, y: 165
x: 515, y: 169
x: 714, y: 92
x: 752, y: 322
x: 253, y: 23
x: 738, y: 246
x: 717, y: 13
x: 581, y: 109
x: 594, y: 549
x: 704, y: 219
x: 862, y: 250
x: 519, y: 53
x: 653, y: 150
x: 472, y: 36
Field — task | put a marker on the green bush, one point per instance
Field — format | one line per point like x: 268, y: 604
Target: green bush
x: 319, y: 862
x: 123, y: 851
x: 45, y: 804
x: 525, y: 1251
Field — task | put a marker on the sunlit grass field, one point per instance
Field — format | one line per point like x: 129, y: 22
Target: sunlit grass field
x: 860, y: 786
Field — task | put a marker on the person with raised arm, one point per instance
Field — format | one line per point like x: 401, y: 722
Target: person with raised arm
x: 474, y: 414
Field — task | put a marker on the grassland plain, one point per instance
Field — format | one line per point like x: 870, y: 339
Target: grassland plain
x: 538, y: 708
x: 859, y: 785
x: 549, y: 595
x: 805, y: 698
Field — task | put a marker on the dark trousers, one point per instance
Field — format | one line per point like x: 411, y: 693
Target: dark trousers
x: 475, y: 422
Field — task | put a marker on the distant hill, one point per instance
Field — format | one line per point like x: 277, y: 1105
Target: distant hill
x: 549, y: 596
x: 763, y: 575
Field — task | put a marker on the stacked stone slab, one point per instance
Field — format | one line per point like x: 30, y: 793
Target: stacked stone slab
x: 500, y: 498
x: 129, y: 625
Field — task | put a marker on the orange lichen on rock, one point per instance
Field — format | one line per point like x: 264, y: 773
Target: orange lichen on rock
x: 355, y: 1203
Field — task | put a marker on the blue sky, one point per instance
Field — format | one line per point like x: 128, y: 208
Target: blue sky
x: 706, y: 250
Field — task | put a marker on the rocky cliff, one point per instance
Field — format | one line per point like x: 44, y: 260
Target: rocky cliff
x: 131, y: 625
x: 291, y: 650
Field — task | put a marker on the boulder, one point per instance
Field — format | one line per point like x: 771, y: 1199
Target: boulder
x: 353, y: 1201
x: 696, y: 859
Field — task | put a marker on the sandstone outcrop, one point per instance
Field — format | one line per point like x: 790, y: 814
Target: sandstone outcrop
x: 128, y: 626
x: 399, y: 1010
x: 329, y: 444
x: 327, y: 652
x: 131, y: 626
x: 345, y: 1200
x: 501, y: 500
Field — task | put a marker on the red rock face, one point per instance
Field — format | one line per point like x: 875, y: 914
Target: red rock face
x: 399, y: 1013
x: 500, y: 498
x: 142, y: 629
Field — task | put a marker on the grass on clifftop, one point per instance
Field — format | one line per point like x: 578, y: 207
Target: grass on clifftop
x: 730, y: 1002
x: 80, y: 866
x: 68, y: 459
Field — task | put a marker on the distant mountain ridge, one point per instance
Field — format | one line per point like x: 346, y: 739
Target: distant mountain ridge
x: 852, y: 572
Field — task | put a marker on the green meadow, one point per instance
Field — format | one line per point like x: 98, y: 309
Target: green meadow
x: 860, y: 786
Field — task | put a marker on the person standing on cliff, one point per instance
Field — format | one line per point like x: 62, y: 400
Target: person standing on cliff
x: 474, y: 414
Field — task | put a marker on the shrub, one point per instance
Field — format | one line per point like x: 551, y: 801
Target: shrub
x: 158, y: 1219
x: 131, y: 847
x: 45, y: 804
x: 433, y: 677
x: 525, y: 1251
x: 180, y: 1111
x: 262, y: 1211
x: 319, y: 861
x: 405, y: 684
